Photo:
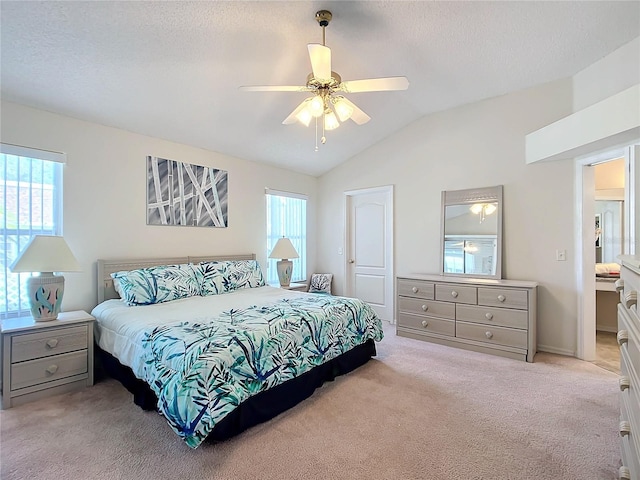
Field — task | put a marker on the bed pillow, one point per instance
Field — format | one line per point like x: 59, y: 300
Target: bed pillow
x: 320, y: 283
x: 210, y: 277
x: 146, y: 286
x: 242, y: 274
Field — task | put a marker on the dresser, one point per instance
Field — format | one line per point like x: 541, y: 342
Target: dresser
x: 45, y: 358
x: 629, y: 341
x: 484, y: 315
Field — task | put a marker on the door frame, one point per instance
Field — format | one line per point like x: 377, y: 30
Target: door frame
x: 585, y: 238
x: 389, y: 234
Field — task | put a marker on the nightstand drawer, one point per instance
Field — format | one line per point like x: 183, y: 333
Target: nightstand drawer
x: 50, y: 342
x: 33, y: 372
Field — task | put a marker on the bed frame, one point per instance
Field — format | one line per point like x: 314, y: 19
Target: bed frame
x: 257, y: 409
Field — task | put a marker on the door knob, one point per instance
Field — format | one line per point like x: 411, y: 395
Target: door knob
x: 352, y: 261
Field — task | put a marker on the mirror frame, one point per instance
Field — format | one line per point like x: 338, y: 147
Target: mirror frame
x: 471, y: 196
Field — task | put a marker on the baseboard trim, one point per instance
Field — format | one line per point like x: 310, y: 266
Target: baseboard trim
x: 557, y: 351
x: 606, y: 329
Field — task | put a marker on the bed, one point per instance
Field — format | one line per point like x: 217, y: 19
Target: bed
x: 205, y: 342
x: 606, y: 276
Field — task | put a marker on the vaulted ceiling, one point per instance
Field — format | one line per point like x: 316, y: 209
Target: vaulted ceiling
x: 172, y: 69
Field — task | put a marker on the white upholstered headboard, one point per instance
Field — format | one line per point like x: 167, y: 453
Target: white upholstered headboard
x: 107, y: 267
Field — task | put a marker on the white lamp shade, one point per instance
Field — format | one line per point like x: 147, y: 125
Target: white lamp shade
x: 283, y: 249
x: 46, y: 253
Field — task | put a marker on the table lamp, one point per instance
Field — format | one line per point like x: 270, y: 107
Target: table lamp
x: 284, y: 250
x: 45, y: 254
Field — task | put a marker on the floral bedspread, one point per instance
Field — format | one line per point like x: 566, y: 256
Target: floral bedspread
x: 201, y: 371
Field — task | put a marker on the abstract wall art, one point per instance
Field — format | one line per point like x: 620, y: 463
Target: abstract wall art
x: 184, y: 194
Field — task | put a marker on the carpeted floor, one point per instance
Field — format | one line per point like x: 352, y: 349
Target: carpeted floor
x: 417, y: 411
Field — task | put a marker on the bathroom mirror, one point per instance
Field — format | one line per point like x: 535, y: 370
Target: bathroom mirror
x: 471, y: 237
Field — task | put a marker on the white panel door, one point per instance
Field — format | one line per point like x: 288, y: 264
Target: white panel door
x: 370, y: 249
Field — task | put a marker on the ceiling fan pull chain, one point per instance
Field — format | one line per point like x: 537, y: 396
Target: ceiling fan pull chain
x: 316, y: 134
x: 323, y: 140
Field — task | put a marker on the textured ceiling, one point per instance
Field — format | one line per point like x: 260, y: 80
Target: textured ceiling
x: 172, y: 69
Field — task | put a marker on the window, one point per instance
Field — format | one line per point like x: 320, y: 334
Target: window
x: 287, y: 217
x: 30, y: 204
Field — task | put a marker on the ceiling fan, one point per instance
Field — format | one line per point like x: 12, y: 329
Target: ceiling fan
x: 327, y: 102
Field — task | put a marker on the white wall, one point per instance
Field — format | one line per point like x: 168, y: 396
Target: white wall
x: 105, y: 196
x: 612, y: 74
x: 476, y: 145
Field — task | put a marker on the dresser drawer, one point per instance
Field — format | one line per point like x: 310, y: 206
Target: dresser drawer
x: 503, y: 297
x: 34, y: 372
x: 51, y: 342
x: 415, y: 288
x: 488, y: 333
x: 427, y: 307
x: 626, y: 329
x: 630, y: 436
x: 629, y: 393
x: 456, y: 293
x: 503, y: 317
x: 427, y: 324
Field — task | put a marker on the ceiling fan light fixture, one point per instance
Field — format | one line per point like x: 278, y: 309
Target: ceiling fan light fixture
x: 304, y: 116
x: 330, y: 120
x: 343, y: 109
x: 316, y: 106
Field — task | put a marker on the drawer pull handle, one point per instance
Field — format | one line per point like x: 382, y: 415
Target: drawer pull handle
x: 630, y: 299
x: 425, y: 308
x: 502, y: 298
x: 488, y: 335
x: 425, y: 323
x: 623, y: 337
x: 454, y: 294
x: 619, y: 284
x: 51, y: 369
x: 623, y: 381
x: 489, y: 316
x: 624, y: 473
x: 414, y: 289
x: 52, y: 343
x: 625, y: 428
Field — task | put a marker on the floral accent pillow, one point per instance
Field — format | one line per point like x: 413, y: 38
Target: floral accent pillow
x: 320, y: 283
x: 211, y: 278
x: 242, y: 274
x: 164, y: 283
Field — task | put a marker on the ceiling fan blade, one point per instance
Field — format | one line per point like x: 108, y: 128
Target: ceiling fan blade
x: 320, y: 57
x: 375, y: 84
x: 274, y: 88
x: 292, y: 116
x: 357, y: 115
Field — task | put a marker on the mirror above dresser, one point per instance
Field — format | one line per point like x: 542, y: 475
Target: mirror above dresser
x: 471, y: 232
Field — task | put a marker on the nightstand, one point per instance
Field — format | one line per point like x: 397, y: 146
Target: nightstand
x: 300, y: 287
x: 40, y: 359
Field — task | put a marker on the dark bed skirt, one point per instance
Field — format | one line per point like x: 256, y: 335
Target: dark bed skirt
x: 259, y: 408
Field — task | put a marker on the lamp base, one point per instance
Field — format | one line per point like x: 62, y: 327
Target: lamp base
x: 45, y: 296
x: 284, y: 267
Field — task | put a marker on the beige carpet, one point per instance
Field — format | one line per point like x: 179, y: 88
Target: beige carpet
x: 417, y: 411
